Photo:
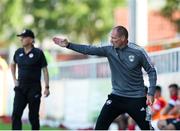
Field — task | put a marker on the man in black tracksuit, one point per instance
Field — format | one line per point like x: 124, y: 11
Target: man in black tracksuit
x: 30, y: 61
x: 126, y: 61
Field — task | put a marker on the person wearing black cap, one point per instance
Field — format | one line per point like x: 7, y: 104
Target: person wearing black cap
x: 30, y: 61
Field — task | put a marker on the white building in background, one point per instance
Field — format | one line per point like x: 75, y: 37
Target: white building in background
x: 138, y: 21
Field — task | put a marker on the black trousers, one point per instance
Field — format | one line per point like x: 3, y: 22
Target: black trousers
x: 26, y: 96
x: 116, y: 105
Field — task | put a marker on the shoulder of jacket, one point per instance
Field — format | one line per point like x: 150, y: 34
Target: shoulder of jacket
x: 38, y: 50
x: 106, y: 46
x: 135, y: 47
x: 19, y: 50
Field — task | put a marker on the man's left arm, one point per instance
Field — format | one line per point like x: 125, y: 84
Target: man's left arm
x: 45, y: 73
x: 151, y: 71
x: 46, y: 81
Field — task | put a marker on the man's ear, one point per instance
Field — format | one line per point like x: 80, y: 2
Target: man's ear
x: 123, y: 38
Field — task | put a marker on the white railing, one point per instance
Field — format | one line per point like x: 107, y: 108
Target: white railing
x: 82, y: 69
x: 167, y: 61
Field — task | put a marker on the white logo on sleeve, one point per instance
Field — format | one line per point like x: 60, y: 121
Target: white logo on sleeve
x: 20, y: 55
x: 108, y: 102
x: 36, y: 96
x: 131, y: 58
x: 31, y: 55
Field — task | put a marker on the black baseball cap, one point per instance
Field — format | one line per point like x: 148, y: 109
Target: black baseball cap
x: 26, y: 33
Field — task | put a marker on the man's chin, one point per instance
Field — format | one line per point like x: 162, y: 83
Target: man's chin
x: 115, y: 46
x: 26, y: 45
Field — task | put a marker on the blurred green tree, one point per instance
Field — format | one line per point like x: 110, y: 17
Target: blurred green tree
x: 11, y: 14
x: 81, y: 20
x: 171, y: 7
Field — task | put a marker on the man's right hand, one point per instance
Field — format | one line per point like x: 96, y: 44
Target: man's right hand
x: 16, y: 83
x: 61, y: 42
x: 150, y: 100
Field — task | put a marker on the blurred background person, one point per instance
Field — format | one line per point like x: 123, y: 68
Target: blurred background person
x: 173, y: 90
x: 122, y: 121
x: 172, y: 123
x: 30, y: 61
x: 158, y: 104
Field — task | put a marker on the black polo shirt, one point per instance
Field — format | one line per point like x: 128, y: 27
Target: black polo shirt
x: 29, y: 65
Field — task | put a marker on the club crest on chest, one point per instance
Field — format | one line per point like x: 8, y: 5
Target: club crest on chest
x: 131, y: 58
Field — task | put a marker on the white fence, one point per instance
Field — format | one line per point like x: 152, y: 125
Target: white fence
x: 167, y: 61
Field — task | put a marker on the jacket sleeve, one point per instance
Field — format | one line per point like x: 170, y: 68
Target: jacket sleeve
x: 88, y: 49
x: 151, y: 71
